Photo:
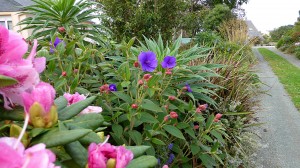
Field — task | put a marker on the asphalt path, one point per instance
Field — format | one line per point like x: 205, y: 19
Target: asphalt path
x: 280, y: 134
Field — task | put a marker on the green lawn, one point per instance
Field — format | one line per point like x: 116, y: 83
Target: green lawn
x: 288, y: 74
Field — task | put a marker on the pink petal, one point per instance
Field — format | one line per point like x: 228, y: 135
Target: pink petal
x: 10, y: 157
x: 39, y: 64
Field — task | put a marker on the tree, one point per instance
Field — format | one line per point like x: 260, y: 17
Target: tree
x: 138, y: 18
x: 216, y: 16
x: 277, y: 33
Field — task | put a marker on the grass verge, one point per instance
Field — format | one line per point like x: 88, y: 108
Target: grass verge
x: 288, y: 74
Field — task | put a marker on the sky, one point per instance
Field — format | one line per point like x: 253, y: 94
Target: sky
x: 267, y: 15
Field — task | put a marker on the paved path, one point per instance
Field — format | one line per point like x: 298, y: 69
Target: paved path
x: 280, y: 135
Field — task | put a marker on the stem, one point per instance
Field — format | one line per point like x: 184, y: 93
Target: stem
x: 23, y: 130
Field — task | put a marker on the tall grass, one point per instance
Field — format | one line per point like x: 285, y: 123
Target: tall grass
x: 234, y: 31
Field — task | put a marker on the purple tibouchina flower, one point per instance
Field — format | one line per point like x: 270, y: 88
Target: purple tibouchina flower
x: 169, y: 62
x: 148, y: 61
x: 56, y: 42
x: 188, y: 88
x: 112, y: 87
x: 171, y: 159
x: 170, y: 146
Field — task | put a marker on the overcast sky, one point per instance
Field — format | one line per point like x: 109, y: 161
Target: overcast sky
x: 269, y: 14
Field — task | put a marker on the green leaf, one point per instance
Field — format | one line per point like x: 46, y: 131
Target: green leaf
x: 138, y: 150
x: 89, y: 138
x: 207, y: 160
x: 218, y: 136
x: 77, y: 152
x: 136, y: 137
x: 16, y: 114
x: 123, y: 96
x: 55, y: 137
x: 117, y: 129
x: 173, y: 131
x: 148, y: 118
x: 74, y: 109
x: 61, y: 102
x: 157, y: 141
x: 7, y: 81
x: 209, y: 121
x: 195, y: 149
x: 149, y: 105
x: 237, y: 113
x: 143, y: 162
x: 87, y: 121
x: 124, y: 71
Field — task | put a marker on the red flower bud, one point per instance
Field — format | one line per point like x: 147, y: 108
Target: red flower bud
x: 136, y: 64
x: 166, y: 118
x: 104, y: 88
x: 147, y: 77
x: 216, y: 120
x: 173, y: 114
x: 140, y: 82
x: 166, y: 106
x: 202, y: 107
x: 75, y: 70
x: 218, y: 116
x: 61, y: 29
x: 172, y: 98
x: 198, y: 110
x: 134, y: 106
x: 184, y: 88
x: 196, y: 127
x: 168, y: 73
x: 64, y: 73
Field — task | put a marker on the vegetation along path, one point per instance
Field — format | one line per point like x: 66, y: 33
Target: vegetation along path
x: 280, y: 133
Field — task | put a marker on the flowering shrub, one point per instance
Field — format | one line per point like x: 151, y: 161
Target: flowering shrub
x: 53, y: 123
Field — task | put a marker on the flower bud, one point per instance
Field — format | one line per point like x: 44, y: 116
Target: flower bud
x: 61, y: 29
x: 134, y: 106
x: 39, y: 119
x: 202, y: 107
x: 140, y: 82
x: 15, y: 131
x: 75, y: 70
x: 196, y: 127
x: 101, y: 135
x: 173, y: 114
x: 147, y: 77
x: 168, y: 73
x: 64, y: 73
x: 136, y: 64
x: 172, y: 98
x: 166, y: 118
x: 218, y: 116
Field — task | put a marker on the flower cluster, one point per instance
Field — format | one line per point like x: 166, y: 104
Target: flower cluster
x: 217, y: 117
x: 149, y: 62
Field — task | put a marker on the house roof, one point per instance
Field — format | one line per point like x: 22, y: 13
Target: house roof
x: 13, y: 5
x: 252, y: 30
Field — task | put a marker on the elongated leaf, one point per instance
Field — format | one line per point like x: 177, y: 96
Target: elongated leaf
x: 123, y: 96
x: 148, y: 118
x: 143, y: 162
x: 90, y: 138
x: 16, y: 114
x: 74, y: 109
x: 149, y: 105
x: 7, y: 81
x: 138, y: 150
x: 77, y: 152
x: 87, y: 121
x: 157, y: 141
x: 55, y: 137
x: 173, y: 131
x: 136, y: 137
x: 61, y: 102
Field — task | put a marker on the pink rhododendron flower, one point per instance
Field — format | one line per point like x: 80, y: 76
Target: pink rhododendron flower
x: 39, y: 104
x: 74, y: 98
x: 25, y: 71
x: 36, y: 156
x: 104, y: 153
x: 43, y: 94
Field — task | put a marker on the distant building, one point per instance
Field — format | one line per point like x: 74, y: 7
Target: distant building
x: 252, y: 30
x: 9, y: 16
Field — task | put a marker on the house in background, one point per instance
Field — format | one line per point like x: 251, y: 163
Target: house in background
x: 252, y: 30
x: 9, y: 14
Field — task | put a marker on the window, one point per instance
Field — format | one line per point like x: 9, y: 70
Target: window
x: 6, y: 21
x: 2, y: 23
x: 9, y: 25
